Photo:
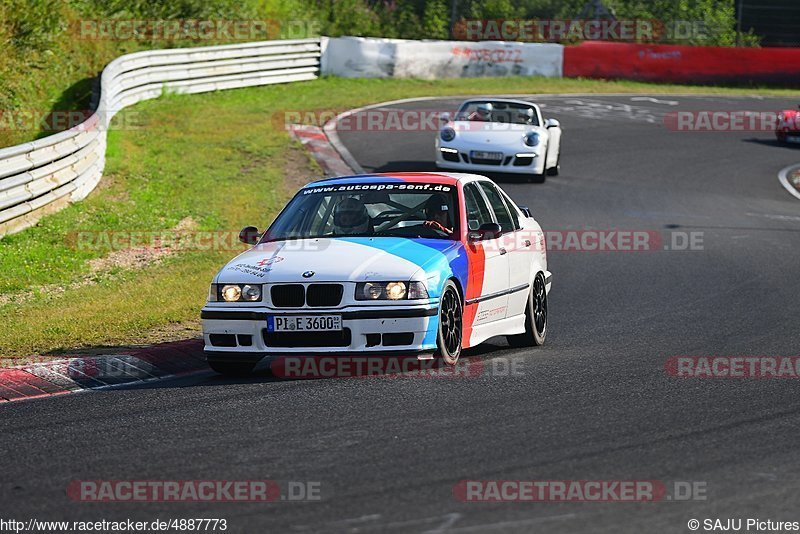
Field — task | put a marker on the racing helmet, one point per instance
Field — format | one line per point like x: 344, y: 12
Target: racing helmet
x: 526, y: 115
x: 437, y: 205
x: 350, y: 217
x: 484, y: 109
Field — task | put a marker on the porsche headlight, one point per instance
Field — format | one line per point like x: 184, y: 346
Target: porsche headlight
x: 447, y: 134
x: 531, y: 139
x: 391, y: 291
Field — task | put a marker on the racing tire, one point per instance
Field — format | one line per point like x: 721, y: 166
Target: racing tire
x: 553, y: 171
x: 450, y: 329
x: 535, y: 317
x: 232, y: 368
x: 540, y: 178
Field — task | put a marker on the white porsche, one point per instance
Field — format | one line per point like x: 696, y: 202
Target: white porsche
x: 500, y: 135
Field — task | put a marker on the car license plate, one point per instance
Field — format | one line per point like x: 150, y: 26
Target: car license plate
x: 793, y: 138
x: 486, y: 155
x: 303, y: 323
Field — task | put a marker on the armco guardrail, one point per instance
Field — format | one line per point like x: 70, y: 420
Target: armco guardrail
x: 45, y: 175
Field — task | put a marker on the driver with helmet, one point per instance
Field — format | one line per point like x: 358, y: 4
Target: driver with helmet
x: 483, y: 112
x: 350, y: 217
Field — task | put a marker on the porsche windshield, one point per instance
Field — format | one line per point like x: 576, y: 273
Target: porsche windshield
x: 412, y: 210
x: 498, y: 111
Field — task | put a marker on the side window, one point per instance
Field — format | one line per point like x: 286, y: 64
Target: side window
x: 477, y: 211
x: 499, y: 207
x: 512, y: 210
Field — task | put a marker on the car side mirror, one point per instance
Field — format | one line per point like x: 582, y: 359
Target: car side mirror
x: 486, y: 231
x: 526, y: 211
x: 249, y: 235
x: 444, y: 118
x: 552, y: 123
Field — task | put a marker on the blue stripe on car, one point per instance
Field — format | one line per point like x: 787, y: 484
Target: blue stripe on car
x: 450, y: 262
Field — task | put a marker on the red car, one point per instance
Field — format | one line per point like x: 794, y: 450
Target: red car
x: 788, y: 129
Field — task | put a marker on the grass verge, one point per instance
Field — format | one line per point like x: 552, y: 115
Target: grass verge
x: 200, y: 163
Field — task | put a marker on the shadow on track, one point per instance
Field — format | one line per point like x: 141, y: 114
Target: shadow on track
x: 429, y: 166
x: 472, y: 363
x: 770, y: 142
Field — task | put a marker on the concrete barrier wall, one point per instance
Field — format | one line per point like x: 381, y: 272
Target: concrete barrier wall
x: 683, y: 64
x: 358, y: 57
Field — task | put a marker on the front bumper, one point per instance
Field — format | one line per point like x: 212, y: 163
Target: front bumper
x: 531, y: 163
x: 241, y: 333
x: 788, y: 136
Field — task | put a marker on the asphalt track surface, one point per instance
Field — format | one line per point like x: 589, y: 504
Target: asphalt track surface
x: 594, y: 404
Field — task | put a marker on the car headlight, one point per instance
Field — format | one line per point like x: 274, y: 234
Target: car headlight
x: 447, y: 134
x: 251, y: 293
x: 395, y: 290
x: 231, y: 293
x: 391, y: 291
x: 531, y: 139
x: 234, y: 293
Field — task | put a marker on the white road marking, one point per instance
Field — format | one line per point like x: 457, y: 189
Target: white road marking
x: 768, y: 476
x: 783, y: 176
x: 775, y: 216
x: 654, y: 100
x: 506, y: 524
x: 442, y: 523
x: 602, y: 109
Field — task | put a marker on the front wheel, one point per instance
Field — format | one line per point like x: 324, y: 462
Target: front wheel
x: 553, y: 171
x: 451, y: 314
x: 540, y: 178
x: 535, y: 317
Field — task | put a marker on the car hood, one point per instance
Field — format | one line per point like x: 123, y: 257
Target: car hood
x: 338, y: 260
x: 487, y: 133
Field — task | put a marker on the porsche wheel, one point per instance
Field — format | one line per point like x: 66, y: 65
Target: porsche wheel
x: 451, y: 315
x: 535, y: 317
x: 540, y: 178
x: 553, y: 171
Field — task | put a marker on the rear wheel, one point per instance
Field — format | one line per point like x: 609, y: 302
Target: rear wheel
x: 232, y: 368
x: 535, y: 317
x: 451, y: 314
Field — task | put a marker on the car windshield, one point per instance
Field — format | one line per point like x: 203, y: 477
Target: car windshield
x: 498, y: 111
x: 397, y: 209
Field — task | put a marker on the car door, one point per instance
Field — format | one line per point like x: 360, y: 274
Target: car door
x: 517, y: 253
x: 492, y: 302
